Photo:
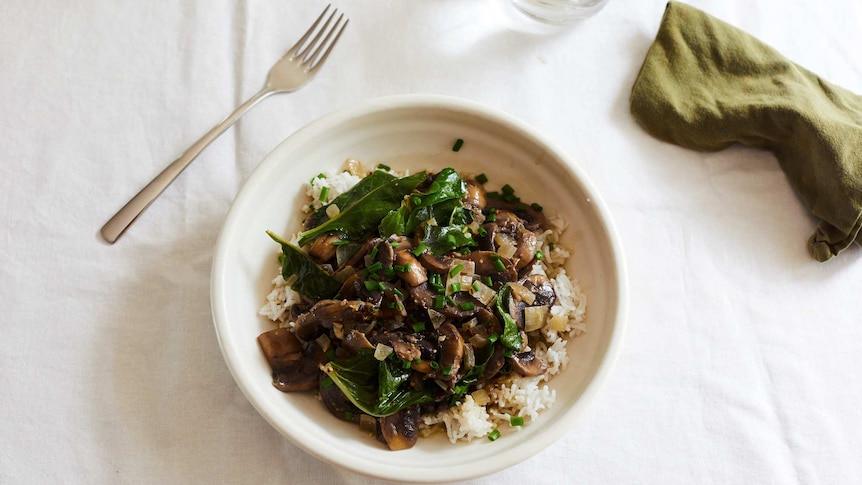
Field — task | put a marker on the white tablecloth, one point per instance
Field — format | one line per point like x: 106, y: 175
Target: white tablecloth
x: 742, y: 358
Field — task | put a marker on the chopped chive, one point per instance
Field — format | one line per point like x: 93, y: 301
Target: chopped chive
x: 460, y: 390
x: 521, y: 207
x: 449, y: 300
x: 455, y: 287
x: 374, y: 252
x: 511, y: 198
x: 389, y: 272
x: 399, y: 268
x: 370, y: 285
x: 340, y: 243
x: 439, y: 302
x: 551, y: 246
x: 499, y: 265
x: 536, y: 207
x: 482, y: 231
x: 391, y: 305
x: 458, y: 144
x: 418, y: 327
x: 406, y: 267
x: 493, y: 337
x: 481, y: 178
x: 446, y: 370
x: 398, y: 292
x: 419, y: 249
x: 381, y: 286
x: 457, y: 269
x: 375, y: 277
x: 375, y: 267
x: 467, y: 306
x: 324, y: 193
x: 394, y: 244
x: 507, y: 189
x: 476, y: 286
x: 348, y: 415
x: 435, y: 365
x: 492, y: 215
x: 318, y: 176
x: 494, y: 435
x: 383, y: 167
x: 489, y: 282
x: 540, y: 255
x: 516, y: 421
x: 406, y: 364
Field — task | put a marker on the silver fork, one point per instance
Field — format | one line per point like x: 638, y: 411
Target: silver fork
x: 293, y: 71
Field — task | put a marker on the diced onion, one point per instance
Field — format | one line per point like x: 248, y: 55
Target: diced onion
x: 481, y: 397
x: 467, y: 267
x: 559, y: 323
x: 368, y: 424
x: 382, y: 352
x: 332, y: 210
x: 523, y: 293
x: 436, y: 318
x: 478, y: 341
x: 534, y: 317
x: 469, y: 357
x: 338, y: 330
x: 506, y: 250
x: 484, y: 294
x: 323, y: 341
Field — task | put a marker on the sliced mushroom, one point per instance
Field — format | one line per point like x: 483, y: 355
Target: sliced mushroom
x: 405, y: 346
x: 435, y: 264
x: 532, y: 218
x: 324, y: 313
x: 542, y: 287
x: 415, y: 273
x: 303, y: 375
x: 486, y: 242
x: 356, y: 341
x: 486, y: 266
x: 527, y: 365
x: 337, y: 402
x: 401, y: 430
x: 384, y: 253
x: 495, y: 363
x: 451, y: 352
x: 281, y: 348
x: 475, y: 195
x: 322, y: 248
x: 526, y: 247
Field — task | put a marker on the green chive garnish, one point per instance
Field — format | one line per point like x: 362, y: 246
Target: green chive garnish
x: 455, y: 287
x: 494, y: 435
x: 540, y: 255
x: 499, y: 265
x: 481, y: 178
x: 516, y: 421
x: 467, y: 306
x: 324, y: 193
x: 458, y: 144
x: 482, y: 231
x: 370, y: 285
x: 446, y: 370
x: 419, y: 249
x: 398, y: 292
x: 536, y: 207
x: 374, y: 252
x: 493, y: 338
x: 489, y: 282
x: 389, y: 272
x: 383, y: 167
x: 435, y: 365
x: 340, y: 243
x: 507, y: 189
x: 476, y: 286
x: 457, y: 269
x: 418, y: 327
x: 439, y: 302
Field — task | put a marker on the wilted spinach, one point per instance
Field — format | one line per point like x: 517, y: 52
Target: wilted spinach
x: 373, y: 386
x: 311, y: 280
x: 444, y: 239
x: 362, y: 207
x: 511, y: 337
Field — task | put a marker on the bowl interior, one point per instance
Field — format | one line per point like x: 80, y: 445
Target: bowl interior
x: 414, y: 133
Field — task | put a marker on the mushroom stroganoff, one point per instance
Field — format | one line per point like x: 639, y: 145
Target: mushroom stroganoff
x: 422, y: 302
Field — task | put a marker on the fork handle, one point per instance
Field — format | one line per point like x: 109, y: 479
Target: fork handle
x: 117, y: 225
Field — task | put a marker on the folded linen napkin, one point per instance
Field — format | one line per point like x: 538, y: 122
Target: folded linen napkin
x: 706, y: 85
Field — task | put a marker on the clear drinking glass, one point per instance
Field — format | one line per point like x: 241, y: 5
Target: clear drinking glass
x: 559, y: 11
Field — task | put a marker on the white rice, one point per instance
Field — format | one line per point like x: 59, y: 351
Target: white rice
x: 512, y: 396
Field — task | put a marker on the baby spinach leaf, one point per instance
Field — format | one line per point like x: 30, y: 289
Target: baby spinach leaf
x: 374, y: 387
x: 447, y: 185
x: 311, y: 280
x: 444, y: 239
x: 511, y: 337
x: 363, y: 207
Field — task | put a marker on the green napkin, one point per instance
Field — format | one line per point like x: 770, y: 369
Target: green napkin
x: 706, y: 85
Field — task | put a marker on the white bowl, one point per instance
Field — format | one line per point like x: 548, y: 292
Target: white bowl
x: 415, y: 132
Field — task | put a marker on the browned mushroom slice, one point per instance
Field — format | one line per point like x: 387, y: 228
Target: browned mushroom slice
x: 383, y: 253
x: 337, y: 402
x: 405, y: 346
x: 281, y: 348
x: 532, y: 218
x: 356, y: 341
x: 423, y: 295
x: 526, y: 247
x: 465, y: 306
x: 486, y: 241
x: 498, y: 358
x: 527, y: 365
x: 499, y: 269
x: 301, y: 376
x: 435, y: 264
x: 542, y: 287
x: 451, y: 352
x: 413, y: 273
x: 401, y: 430
x: 324, y: 313
x: 474, y: 197
x: 322, y: 248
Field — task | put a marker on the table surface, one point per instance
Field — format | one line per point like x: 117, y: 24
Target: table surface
x: 741, y: 359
